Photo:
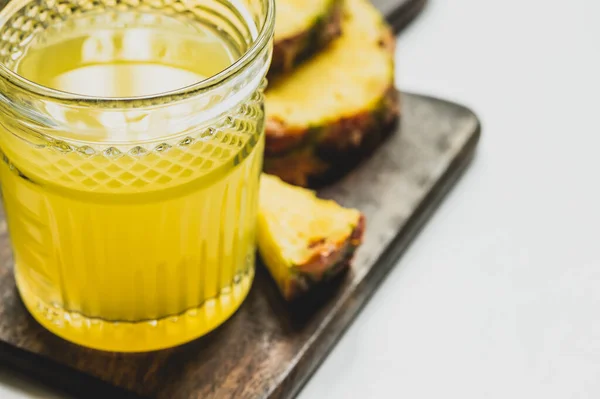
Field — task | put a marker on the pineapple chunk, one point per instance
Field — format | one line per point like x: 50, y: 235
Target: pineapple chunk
x: 333, y: 109
x: 302, y: 239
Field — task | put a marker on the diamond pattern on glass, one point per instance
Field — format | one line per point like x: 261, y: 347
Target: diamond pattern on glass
x: 168, y: 163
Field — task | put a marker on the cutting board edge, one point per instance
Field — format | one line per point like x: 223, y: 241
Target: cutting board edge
x: 401, y: 17
x: 367, y: 287
x: 62, y: 378
x: 79, y: 384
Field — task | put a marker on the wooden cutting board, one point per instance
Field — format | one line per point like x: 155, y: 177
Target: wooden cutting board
x: 269, y: 349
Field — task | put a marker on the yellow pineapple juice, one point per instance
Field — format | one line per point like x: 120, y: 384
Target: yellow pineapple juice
x: 131, y: 138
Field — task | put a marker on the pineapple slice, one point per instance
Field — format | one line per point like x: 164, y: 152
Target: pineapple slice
x: 337, y: 106
x: 302, y: 239
x: 303, y: 27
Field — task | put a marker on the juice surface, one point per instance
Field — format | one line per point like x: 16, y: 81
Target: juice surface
x: 140, y: 247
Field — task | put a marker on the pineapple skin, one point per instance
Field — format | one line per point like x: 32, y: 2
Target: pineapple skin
x: 291, y: 51
x: 322, y: 154
x: 327, y: 262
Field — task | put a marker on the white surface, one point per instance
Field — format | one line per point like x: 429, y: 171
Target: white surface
x: 499, y: 297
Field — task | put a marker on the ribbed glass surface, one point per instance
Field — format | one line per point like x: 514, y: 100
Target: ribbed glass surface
x: 184, y: 253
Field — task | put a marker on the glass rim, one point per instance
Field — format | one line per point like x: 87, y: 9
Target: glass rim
x: 262, y: 39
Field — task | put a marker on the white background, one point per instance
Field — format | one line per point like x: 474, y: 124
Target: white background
x: 499, y: 297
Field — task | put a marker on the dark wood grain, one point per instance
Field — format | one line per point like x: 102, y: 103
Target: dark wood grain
x: 269, y: 349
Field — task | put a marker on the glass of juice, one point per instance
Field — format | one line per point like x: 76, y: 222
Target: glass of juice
x: 131, y: 140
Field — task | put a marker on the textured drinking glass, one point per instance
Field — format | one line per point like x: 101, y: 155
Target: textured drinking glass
x: 131, y: 140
